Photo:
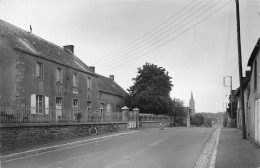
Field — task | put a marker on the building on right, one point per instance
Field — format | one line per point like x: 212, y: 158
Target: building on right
x: 192, y: 104
x: 251, y: 85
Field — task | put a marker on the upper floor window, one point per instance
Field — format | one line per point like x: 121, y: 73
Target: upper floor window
x: 59, y: 75
x: 38, y: 70
x: 89, y: 83
x: 75, y: 80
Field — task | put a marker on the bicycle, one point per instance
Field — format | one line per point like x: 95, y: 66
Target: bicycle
x: 114, y: 127
x: 93, y: 130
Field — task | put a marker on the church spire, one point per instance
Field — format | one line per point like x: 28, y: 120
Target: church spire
x: 192, y: 103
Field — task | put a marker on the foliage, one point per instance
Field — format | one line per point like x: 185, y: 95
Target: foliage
x: 151, y: 90
x: 178, y: 108
x: 197, y: 119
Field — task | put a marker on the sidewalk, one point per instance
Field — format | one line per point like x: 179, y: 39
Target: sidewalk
x: 235, y: 152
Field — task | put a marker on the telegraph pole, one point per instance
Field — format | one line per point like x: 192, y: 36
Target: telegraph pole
x: 231, y: 96
x: 240, y: 71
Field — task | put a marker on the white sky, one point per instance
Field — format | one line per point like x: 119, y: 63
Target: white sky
x: 196, y: 59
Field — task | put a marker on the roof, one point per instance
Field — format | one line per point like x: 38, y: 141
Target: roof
x: 28, y: 42
x: 107, y: 85
x: 254, y: 53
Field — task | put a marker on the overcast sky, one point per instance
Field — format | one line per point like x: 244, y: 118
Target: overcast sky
x: 194, y: 40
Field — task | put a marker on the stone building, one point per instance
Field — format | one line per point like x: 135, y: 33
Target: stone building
x: 48, y: 79
x: 251, y: 93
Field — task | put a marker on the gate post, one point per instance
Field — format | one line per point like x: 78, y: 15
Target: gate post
x: 136, y: 113
x: 125, y: 110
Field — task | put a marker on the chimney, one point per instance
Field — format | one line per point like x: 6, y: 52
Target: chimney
x: 69, y: 48
x: 92, y: 68
x: 30, y: 28
x: 112, y: 77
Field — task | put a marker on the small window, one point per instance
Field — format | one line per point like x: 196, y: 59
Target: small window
x: 89, y: 83
x: 38, y: 70
x: 89, y: 106
x: 39, y: 104
x: 75, y: 80
x: 59, y: 101
x: 75, y: 105
x: 59, y: 75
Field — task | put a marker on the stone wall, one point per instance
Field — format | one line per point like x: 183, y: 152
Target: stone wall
x: 13, y: 136
x: 153, y: 124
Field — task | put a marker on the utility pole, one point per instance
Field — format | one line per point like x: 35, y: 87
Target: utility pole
x: 231, y: 96
x: 240, y: 71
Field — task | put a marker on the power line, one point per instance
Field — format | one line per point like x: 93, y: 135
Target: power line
x: 171, y: 38
x: 156, y: 37
x: 151, y: 31
x: 173, y: 32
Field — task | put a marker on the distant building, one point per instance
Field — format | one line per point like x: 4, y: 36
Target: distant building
x: 192, y: 104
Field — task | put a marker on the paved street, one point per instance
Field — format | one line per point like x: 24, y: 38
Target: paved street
x: 173, y: 147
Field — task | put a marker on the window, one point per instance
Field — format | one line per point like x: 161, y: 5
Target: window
x: 75, y: 80
x: 89, y: 83
x: 58, y: 107
x: 75, y: 105
x: 39, y: 104
x: 59, y: 75
x: 255, y: 73
x: 38, y: 70
x: 89, y: 106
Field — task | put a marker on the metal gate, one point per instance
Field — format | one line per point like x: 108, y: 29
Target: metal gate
x: 131, y: 120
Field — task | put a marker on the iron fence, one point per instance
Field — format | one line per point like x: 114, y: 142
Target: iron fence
x: 17, y: 114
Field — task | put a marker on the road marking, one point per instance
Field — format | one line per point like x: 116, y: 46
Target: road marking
x: 208, y: 157
x: 39, y: 151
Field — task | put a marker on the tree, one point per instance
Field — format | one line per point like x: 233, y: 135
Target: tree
x: 197, y: 119
x: 177, y: 109
x: 151, y: 90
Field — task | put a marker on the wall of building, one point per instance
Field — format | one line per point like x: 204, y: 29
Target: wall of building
x: 117, y: 102
x: 47, y: 86
x: 8, y: 65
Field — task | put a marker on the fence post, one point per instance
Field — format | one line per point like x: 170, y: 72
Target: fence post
x: 125, y: 111
x: 136, y: 113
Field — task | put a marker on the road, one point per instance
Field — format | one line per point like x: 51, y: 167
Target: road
x: 173, y: 147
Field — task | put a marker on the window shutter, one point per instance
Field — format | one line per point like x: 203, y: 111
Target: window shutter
x: 47, y: 105
x: 33, y: 103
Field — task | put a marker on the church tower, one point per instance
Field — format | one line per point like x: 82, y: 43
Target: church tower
x: 192, y: 104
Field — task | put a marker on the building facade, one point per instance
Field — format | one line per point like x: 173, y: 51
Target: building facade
x: 252, y: 97
x: 48, y: 79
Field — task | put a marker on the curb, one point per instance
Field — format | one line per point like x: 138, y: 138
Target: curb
x: 62, y: 146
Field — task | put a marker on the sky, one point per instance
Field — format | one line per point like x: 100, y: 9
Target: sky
x: 194, y: 40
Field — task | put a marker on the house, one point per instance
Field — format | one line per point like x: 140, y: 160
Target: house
x: 252, y: 96
x: 50, y: 81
